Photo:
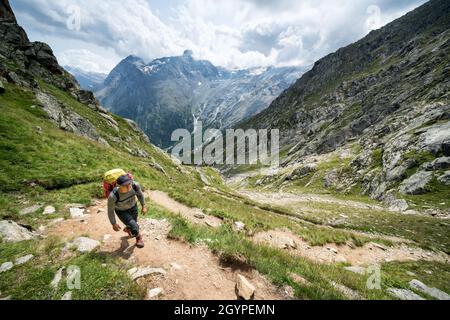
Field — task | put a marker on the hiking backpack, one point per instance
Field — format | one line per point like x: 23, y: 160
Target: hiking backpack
x: 110, y: 180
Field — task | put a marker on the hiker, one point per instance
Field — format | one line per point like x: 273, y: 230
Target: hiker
x: 122, y: 201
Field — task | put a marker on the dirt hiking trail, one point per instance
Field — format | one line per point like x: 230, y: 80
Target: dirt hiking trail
x: 192, y: 272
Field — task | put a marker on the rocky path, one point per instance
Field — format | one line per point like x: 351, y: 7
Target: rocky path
x: 188, y: 272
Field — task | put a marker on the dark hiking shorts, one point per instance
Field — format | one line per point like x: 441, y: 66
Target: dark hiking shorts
x: 129, y: 218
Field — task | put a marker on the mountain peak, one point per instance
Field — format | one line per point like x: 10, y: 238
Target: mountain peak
x: 188, y: 53
x: 6, y: 13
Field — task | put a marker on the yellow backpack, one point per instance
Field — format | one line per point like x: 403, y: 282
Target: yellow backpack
x: 110, y: 180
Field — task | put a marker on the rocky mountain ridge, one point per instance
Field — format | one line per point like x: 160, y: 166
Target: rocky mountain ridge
x: 385, y: 98
x: 175, y: 92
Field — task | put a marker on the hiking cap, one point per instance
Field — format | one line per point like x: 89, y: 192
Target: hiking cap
x: 124, y: 180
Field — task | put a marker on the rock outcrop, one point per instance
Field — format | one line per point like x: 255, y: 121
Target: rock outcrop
x: 10, y: 231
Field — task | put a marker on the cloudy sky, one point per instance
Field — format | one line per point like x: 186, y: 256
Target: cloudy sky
x: 95, y: 35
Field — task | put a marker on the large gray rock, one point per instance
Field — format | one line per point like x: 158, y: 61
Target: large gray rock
x: 24, y: 259
x: 438, y: 164
x: 67, y: 119
x: 416, y: 184
x: 404, y: 294
x: 433, y: 292
x: 136, y: 273
x: 49, y: 210
x: 12, y: 232
x: 6, y: 266
x: 435, y: 137
x: 331, y: 178
x: 397, y: 173
x: 445, y: 178
x: 29, y: 210
x: 84, y: 244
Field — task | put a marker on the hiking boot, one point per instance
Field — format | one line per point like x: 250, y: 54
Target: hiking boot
x: 139, y: 242
x: 128, y: 230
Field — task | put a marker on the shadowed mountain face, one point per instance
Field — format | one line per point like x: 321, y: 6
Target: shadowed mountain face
x: 387, y: 95
x: 174, y: 92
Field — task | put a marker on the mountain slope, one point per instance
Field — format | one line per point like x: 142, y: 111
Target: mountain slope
x: 55, y: 143
x: 170, y: 92
x: 87, y: 80
x: 386, y: 97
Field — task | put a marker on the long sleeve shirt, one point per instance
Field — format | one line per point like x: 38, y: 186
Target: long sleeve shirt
x: 126, y: 201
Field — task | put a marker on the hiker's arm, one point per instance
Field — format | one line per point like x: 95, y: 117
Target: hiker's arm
x: 111, y: 207
x: 140, y: 195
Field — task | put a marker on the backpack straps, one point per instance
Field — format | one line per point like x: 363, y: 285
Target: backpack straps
x: 117, y: 193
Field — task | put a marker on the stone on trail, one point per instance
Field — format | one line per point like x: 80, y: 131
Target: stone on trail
x: 154, y: 293
x: 76, y: 212
x: 24, y: 259
x: 404, y: 294
x: 244, y: 288
x: 433, y: 292
x: 12, y: 232
x: 84, y: 244
x: 29, y: 210
x: 137, y: 273
x: 49, y: 210
x: 6, y: 266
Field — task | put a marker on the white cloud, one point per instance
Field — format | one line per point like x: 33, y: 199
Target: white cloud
x: 232, y: 33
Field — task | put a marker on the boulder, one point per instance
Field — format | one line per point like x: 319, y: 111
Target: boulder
x: 158, y: 167
x: 445, y: 178
x: 331, y: 178
x: 404, y: 294
x: 435, y: 137
x: 397, y: 173
x: 244, y: 288
x: 417, y: 183
x: 438, y: 164
x: 84, y: 244
x: 398, y: 205
x: 6, y: 266
x: 12, y: 232
x: 29, y: 210
x: 433, y: 292
x: 76, y: 213
x: 24, y: 259
x: 49, y: 210
x: 301, y: 172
